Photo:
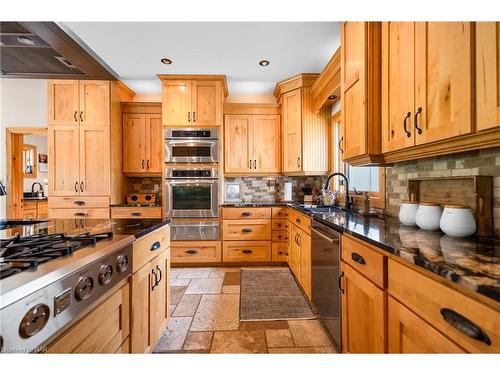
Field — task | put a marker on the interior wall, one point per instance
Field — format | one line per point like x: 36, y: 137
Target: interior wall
x: 40, y: 142
x: 23, y: 103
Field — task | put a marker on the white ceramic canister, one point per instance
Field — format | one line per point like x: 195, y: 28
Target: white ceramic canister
x: 408, y: 213
x: 428, y: 216
x: 458, y: 221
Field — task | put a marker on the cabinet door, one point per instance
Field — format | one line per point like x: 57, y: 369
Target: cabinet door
x: 237, y: 143
x: 154, y: 142
x: 159, y: 298
x: 292, y: 131
x: 63, y: 102
x: 266, y: 143
x: 305, y: 262
x: 294, y: 255
x: 176, y: 103
x: 94, y: 103
x: 408, y: 333
x: 63, y: 143
x: 487, y: 75
x: 443, y: 79
x: 206, y: 103
x: 142, y: 295
x: 94, y: 161
x: 363, y: 314
x: 134, y: 143
x: 398, y: 86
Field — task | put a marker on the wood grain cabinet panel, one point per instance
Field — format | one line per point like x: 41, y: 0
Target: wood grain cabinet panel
x: 154, y: 142
x: 294, y: 251
x: 487, y: 75
x: 364, y: 309
x: 410, y: 334
x: 63, y: 105
x: 134, y: 143
x: 237, y: 138
x: 245, y: 230
x: 206, y: 103
x: 63, y: 148
x: 246, y: 213
x: 266, y: 143
x: 196, y: 252
x: 280, y: 252
x: 246, y: 251
x: 292, y: 131
x: 94, y: 104
x: 176, y: 103
x: 305, y: 262
x: 94, y: 161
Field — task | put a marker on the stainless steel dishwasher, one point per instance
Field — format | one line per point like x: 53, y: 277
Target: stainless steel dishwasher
x: 325, y: 279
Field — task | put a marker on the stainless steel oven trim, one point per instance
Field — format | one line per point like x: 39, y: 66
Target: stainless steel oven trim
x: 214, y: 151
x: 214, y: 133
x: 213, y: 212
x: 169, y: 172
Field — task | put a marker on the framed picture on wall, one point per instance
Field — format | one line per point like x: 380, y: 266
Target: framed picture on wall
x: 43, y: 163
x: 232, y: 192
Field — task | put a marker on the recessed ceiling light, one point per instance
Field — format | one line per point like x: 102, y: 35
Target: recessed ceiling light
x: 263, y: 63
x: 166, y: 61
x: 331, y: 97
x: 26, y: 41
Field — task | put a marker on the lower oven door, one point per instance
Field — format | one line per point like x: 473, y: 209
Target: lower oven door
x: 189, y: 151
x: 192, y: 198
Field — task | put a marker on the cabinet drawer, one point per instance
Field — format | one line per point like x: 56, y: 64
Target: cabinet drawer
x: 246, y: 230
x: 196, y: 251
x: 280, y: 224
x: 42, y: 208
x: 78, y: 201
x: 437, y: 304
x: 280, y: 212
x: 367, y: 261
x: 136, y: 212
x: 246, y: 251
x: 279, y: 252
x: 83, y: 213
x: 246, y: 212
x: 302, y: 221
x: 281, y: 236
x: 149, y: 246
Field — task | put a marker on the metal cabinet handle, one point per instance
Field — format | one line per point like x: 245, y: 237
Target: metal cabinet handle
x: 358, y: 258
x: 76, y: 186
x: 81, y: 116
x: 340, y: 145
x: 250, y: 164
x: 340, y: 283
x: 191, y: 251
x: 155, y: 246
x: 419, y: 111
x: 74, y: 116
x: 155, y: 278
x: 79, y: 214
x: 136, y: 214
x: 408, y: 115
x: 246, y: 213
x: 247, y: 251
x: 247, y: 230
x: 255, y: 164
x: 161, y: 275
x: 194, y: 116
x: 297, y: 220
x: 189, y: 116
x: 79, y: 203
x: 147, y: 164
x: 464, y: 325
x: 81, y: 186
x: 142, y: 163
x: 298, y: 162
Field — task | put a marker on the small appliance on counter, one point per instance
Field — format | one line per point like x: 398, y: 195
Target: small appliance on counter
x: 308, y: 197
x: 141, y: 198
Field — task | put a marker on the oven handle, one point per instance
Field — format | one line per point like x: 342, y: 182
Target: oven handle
x: 184, y: 181
x: 191, y: 143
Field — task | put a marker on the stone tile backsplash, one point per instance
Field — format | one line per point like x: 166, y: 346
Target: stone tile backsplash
x: 474, y: 163
x: 257, y: 188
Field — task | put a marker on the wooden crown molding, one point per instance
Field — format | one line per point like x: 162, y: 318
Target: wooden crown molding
x: 252, y: 109
x: 292, y: 83
x: 123, y: 87
x: 141, y: 107
x: 198, y: 77
x: 328, y: 83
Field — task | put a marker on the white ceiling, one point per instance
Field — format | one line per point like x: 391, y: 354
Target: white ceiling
x: 134, y: 50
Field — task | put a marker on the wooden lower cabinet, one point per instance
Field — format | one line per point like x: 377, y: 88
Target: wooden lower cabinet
x: 196, y: 252
x: 83, y: 213
x: 305, y: 262
x: 136, y: 212
x: 246, y: 251
x: 294, y: 253
x: 104, y: 330
x: 254, y: 229
x: 364, y: 309
x: 279, y: 252
x: 408, y: 333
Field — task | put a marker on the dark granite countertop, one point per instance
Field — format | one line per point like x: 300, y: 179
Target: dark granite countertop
x: 131, y: 227
x: 35, y: 198
x: 472, y: 263
x: 135, y: 205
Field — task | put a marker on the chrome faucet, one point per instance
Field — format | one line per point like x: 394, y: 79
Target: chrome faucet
x: 33, y: 188
x: 348, y: 201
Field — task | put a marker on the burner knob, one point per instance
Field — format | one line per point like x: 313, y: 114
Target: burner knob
x: 105, y: 274
x: 122, y: 263
x: 84, y: 288
x: 34, y: 320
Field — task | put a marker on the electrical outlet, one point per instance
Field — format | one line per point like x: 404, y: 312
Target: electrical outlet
x: 156, y: 187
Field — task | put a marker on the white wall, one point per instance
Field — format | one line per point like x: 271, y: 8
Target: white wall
x: 40, y: 141
x: 23, y: 103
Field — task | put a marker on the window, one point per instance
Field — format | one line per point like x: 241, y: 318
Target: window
x: 364, y: 178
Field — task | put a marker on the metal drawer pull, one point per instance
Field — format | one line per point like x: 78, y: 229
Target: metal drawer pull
x: 155, y: 278
x: 81, y: 116
x: 79, y: 203
x: 192, y: 251
x: 246, y: 213
x: 189, y: 116
x: 340, y: 282
x: 161, y: 275
x: 297, y: 220
x: 408, y: 115
x: 340, y: 145
x: 81, y: 186
x: 419, y: 111
x: 247, y: 251
x: 135, y: 214
x: 74, y: 116
x: 76, y: 186
x: 194, y: 116
x: 465, y: 326
x: 247, y: 230
x: 155, y: 246
x: 358, y: 258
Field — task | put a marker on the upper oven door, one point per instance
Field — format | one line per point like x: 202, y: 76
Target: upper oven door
x: 192, y: 198
x: 191, y: 151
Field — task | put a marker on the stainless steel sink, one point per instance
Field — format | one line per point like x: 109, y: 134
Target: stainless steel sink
x: 323, y: 209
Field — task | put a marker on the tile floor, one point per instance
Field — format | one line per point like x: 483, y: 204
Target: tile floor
x: 205, y: 319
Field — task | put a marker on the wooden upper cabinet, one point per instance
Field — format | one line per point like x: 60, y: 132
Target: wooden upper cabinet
x: 443, y: 80
x: 292, y: 131
x: 63, y: 102
x: 154, y: 142
x: 176, y: 103
x: 206, y: 103
x: 364, y: 308
x: 94, y: 103
x: 305, y: 262
x: 487, y: 75
x: 134, y: 143
x: 237, y: 129
x: 63, y: 149
x: 94, y: 161
x: 266, y: 143
x: 360, y: 89
x: 398, y: 64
